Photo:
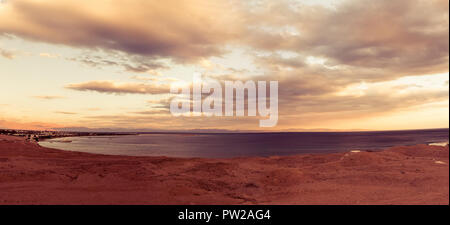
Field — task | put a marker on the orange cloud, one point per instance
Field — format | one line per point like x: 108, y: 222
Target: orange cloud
x: 7, y: 54
x: 48, y: 97
x: 406, y: 37
x: 178, y: 29
x: 111, y: 87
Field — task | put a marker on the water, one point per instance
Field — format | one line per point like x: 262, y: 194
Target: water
x: 239, y: 145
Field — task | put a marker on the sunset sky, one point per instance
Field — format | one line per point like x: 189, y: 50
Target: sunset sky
x: 341, y: 65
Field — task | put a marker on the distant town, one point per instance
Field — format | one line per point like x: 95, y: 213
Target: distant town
x: 39, y: 135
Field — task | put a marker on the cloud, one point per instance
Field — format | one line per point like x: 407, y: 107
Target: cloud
x: 302, y: 102
x: 154, y: 78
x: 48, y: 97
x: 49, y: 55
x: 111, y: 87
x: 7, y: 54
x: 182, y: 30
x: 133, y: 63
x: 275, y: 60
x: 395, y: 37
x: 153, y: 112
x: 311, y: 98
x: 307, y: 112
x: 65, y: 113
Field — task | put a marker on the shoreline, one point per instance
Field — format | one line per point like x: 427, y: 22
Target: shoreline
x: 31, y: 174
x: 441, y: 144
x: 146, y: 148
x: 41, y: 135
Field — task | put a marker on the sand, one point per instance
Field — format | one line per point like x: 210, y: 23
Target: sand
x: 30, y: 174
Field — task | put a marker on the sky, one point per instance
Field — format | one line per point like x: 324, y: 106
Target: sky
x: 108, y: 64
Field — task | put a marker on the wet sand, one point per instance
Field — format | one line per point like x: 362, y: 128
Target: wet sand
x: 31, y: 174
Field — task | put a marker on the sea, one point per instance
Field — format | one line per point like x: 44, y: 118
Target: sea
x: 231, y: 145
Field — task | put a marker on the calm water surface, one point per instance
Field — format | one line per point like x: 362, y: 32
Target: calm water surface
x: 238, y: 145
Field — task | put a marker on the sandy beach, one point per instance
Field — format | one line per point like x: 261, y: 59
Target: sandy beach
x: 31, y: 174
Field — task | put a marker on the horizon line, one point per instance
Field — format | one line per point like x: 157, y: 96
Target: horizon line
x: 221, y: 131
